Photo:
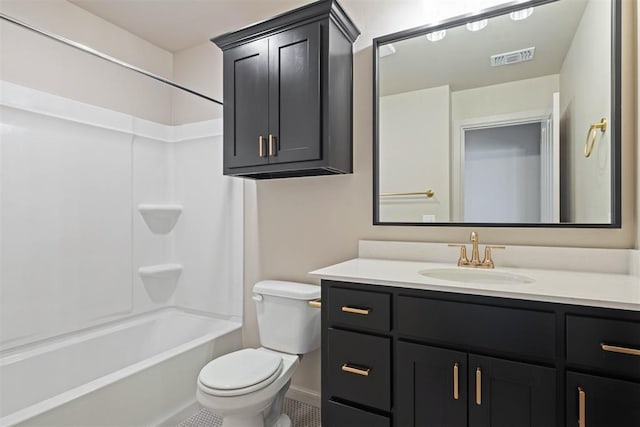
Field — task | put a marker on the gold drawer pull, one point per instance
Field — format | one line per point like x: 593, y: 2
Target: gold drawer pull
x: 352, y: 370
x: 353, y: 310
x: 582, y: 407
x: 623, y: 350
x: 261, y: 146
x: 316, y: 303
x: 478, y: 386
x: 455, y: 381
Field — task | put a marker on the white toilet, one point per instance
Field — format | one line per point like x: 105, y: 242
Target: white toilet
x: 247, y: 387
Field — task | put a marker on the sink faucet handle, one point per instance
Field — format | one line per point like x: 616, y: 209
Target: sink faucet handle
x: 475, y: 253
x: 463, y: 260
x: 488, y: 261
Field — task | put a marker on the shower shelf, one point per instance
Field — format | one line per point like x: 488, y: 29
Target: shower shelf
x: 160, y: 218
x: 161, y: 274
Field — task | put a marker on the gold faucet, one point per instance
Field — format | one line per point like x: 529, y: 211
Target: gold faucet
x: 463, y: 261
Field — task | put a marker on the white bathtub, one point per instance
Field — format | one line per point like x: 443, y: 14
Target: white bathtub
x: 137, y: 372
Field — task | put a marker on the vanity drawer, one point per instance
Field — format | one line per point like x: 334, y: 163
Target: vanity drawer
x: 339, y: 415
x: 359, y: 368
x: 604, y: 344
x: 499, y: 329
x: 360, y: 309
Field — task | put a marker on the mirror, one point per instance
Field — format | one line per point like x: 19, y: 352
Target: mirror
x: 507, y: 117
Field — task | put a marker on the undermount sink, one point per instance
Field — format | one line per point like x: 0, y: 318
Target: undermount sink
x: 465, y: 275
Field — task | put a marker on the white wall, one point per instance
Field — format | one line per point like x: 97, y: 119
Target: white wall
x: 208, y: 238
x: 192, y: 67
x: 583, y: 101
x: 32, y: 60
x: 414, y: 149
x: 505, y: 98
x: 65, y: 229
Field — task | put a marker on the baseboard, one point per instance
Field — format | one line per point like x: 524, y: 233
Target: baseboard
x: 181, y: 415
x: 304, y: 395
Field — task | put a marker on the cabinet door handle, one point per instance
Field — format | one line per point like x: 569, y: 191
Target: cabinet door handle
x: 582, y: 407
x: 623, y: 350
x: 478, y: 386
x: 363, y: 311
x: 456, y: 394
x: 364, y: 372
x: 261, y: 146
x: 272, y: 140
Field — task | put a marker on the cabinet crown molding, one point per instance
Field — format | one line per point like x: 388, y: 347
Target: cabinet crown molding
x: 312, y: 12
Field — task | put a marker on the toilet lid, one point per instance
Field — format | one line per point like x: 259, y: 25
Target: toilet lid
x: 241, y: 369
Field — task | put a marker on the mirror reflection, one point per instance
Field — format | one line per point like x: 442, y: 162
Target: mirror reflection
x: 506, y: 120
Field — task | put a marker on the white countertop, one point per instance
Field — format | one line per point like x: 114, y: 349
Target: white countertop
x: 607, y: 290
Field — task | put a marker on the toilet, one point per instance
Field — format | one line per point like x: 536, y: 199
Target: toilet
x: 247, y: 387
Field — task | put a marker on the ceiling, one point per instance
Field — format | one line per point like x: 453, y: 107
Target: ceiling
x: 175, y: 25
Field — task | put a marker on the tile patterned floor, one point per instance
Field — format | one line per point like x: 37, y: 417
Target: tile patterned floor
x: 301, y: 414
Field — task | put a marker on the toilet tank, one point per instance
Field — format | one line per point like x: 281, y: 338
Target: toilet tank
x: 286, y: 321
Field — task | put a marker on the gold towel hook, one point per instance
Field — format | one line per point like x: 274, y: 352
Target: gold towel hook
x: 590, y: 142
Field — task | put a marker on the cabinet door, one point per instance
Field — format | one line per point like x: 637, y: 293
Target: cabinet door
x: 510, y: 394
x: 246, y: 103
x: 294, y: 95
x: 604, y: 402
x: 432, y: 386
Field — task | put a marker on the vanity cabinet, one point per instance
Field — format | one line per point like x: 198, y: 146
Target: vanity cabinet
x: 602, y: 401
x: 610, y: 349
x: 288, y: 94
x: 406, y: 357
x: 357, y: 358
x: 441, y: 387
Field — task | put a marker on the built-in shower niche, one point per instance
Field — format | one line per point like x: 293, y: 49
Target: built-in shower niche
x: 160, y: 280
x: 160, y: 218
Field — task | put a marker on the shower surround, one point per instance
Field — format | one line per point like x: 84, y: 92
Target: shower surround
x: 76, y: 254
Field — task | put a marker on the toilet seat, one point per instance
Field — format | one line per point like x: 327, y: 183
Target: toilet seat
x: 240, y: 372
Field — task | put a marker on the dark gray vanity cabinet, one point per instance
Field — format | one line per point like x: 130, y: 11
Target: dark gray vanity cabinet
x: 602, y: 401
x: 603, y: 371
x: 356, y: 357
x: 405, y: 357
x: 288, y: 94
x: 440, y: 387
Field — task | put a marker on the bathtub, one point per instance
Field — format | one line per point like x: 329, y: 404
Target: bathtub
x: 137, y: 372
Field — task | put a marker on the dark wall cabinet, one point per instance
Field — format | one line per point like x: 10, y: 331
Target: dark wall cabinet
x: 404, y: 357
x: 288, y: 104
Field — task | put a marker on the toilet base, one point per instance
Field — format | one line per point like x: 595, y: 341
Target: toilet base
x: 283, y: 421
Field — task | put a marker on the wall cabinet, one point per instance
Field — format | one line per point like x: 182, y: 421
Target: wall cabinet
x: 405, y: 357
x: 288, y: 94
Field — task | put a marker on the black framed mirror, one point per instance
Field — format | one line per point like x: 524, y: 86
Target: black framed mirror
x: 509, y: 117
